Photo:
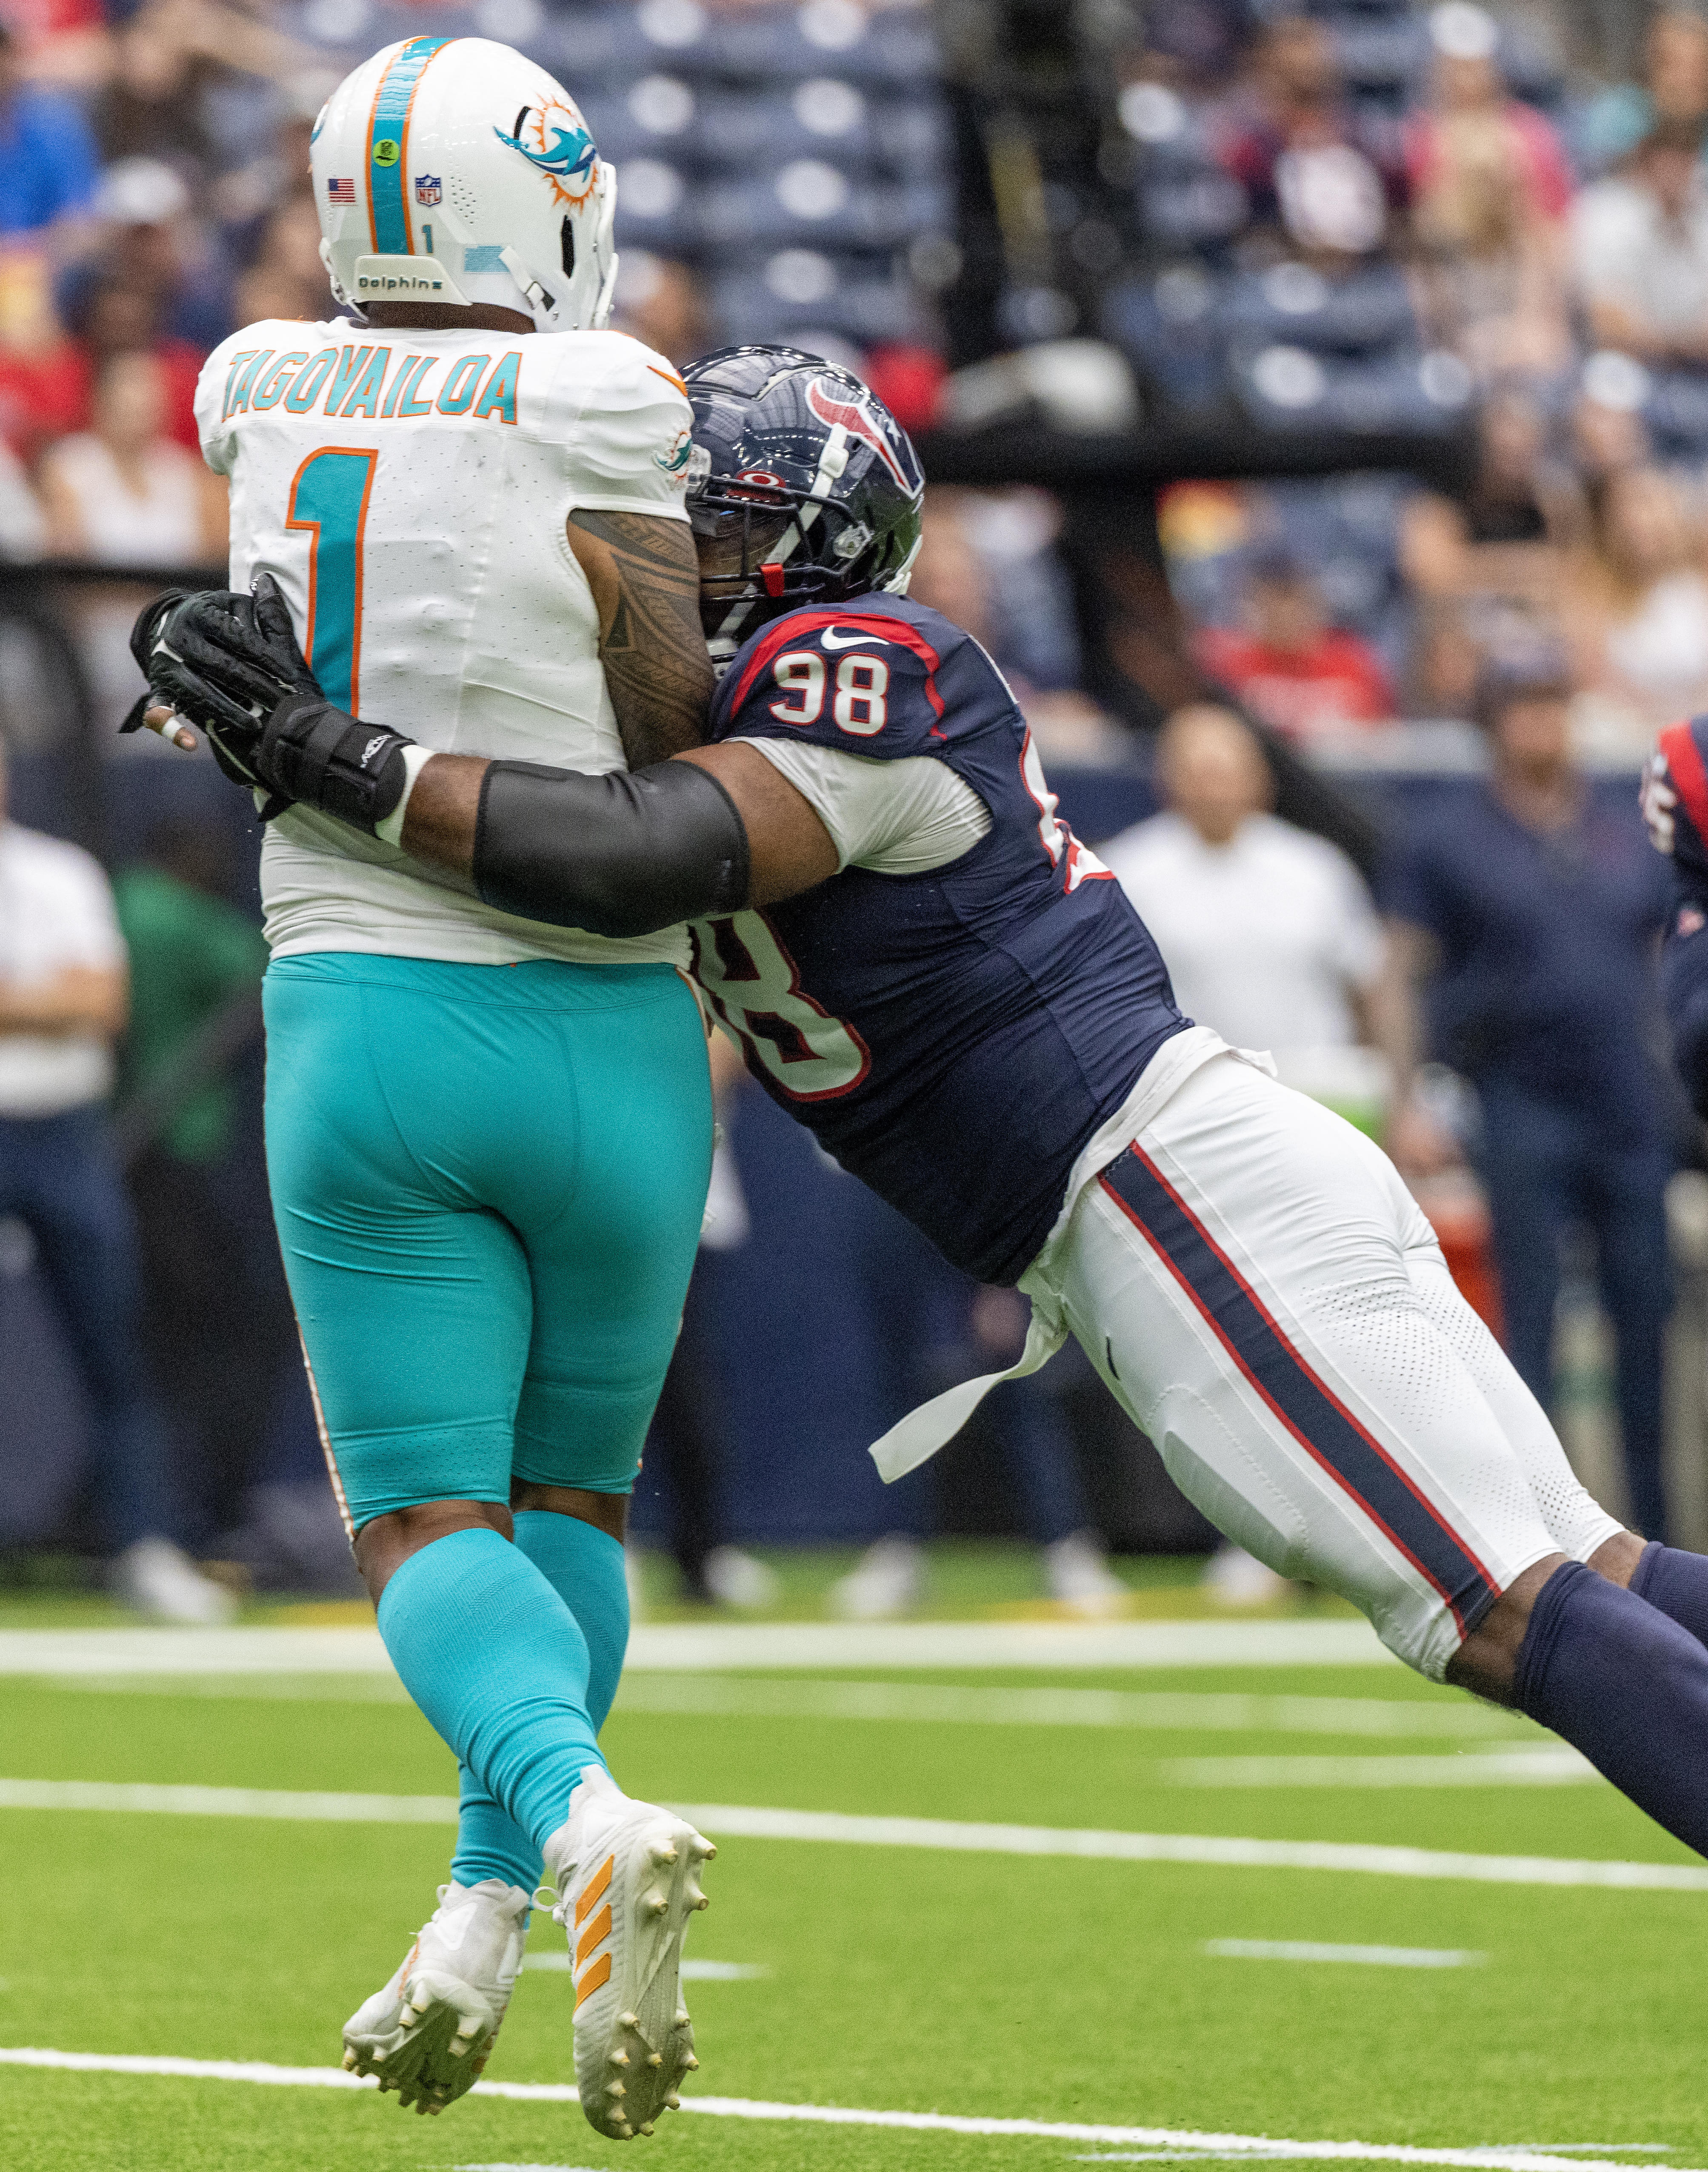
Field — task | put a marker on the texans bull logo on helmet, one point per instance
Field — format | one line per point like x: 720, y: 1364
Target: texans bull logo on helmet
x: 834, y: 407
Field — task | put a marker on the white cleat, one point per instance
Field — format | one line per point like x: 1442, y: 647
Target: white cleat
x: 1233, y: 1577
x: 735, y: 1578
x: 886, y: 1581
x: 157, y: 1578
x: 1079, y: 1578
x: 432, y: 2030
x: 628, y: 1879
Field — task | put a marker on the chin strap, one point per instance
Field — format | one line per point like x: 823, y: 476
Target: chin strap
x: 540, y: 299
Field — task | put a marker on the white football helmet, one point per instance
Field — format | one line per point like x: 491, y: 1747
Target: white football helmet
x: 453, y: 169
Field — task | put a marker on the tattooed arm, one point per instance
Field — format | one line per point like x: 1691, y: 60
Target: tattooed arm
x: 646, y: 584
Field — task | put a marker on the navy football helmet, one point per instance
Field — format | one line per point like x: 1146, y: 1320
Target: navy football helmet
x: 803, y: 487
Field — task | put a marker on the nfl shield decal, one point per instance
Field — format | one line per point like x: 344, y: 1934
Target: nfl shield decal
x: 428, y: 188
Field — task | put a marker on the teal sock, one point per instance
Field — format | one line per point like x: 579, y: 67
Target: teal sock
x: 499, y: 1665
x: 584, y: 1566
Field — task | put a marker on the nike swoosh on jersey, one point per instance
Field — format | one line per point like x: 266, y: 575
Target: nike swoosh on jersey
x: 831, y: 642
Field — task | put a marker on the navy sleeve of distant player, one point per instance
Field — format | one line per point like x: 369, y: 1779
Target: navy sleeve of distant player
x: 1684, y: 991
x: 879, y: 678
x: 1684, y: 749
x: 1684, y: 957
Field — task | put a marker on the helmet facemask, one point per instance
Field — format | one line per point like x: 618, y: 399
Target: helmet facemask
x: 749, y: 537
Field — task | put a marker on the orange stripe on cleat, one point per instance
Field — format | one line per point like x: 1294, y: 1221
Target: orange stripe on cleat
x: 595, y: 1888
x: 600, y: 1973
x: 600, y: 1927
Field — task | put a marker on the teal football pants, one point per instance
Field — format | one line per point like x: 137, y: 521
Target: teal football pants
x: 488, y: 1182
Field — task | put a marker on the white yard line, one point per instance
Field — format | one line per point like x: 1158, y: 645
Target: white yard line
x: 228, y: 1803
x: 746, y: 1696
x: 693, y: 1649
x: 738, y: 1821
x: 1214, y: 1851
x: 289, y: 1689
x: 193, y: 1652
x: 1188, y: 2142
x: 693, y: 1972
x: 1309, y: 1949
x: 737, y: 1697
x: 1545, y: 1765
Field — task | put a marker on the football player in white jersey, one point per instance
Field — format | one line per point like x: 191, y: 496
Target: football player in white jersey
x: 488, y: 1141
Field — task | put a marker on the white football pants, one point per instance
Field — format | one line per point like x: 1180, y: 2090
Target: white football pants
x: 1264, y: 1299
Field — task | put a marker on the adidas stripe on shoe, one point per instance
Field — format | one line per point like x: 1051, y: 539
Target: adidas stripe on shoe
x: 627, y: 1876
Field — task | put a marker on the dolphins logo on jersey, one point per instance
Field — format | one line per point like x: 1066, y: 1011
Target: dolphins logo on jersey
x: 674, y: 461
x: 559, y: 147
x: 827, y: 402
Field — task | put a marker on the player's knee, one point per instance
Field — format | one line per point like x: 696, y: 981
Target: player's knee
x: 1617, y: 1558
x: 605, y: 1511
x: 385, y: 1543
x: 1487, y: 1662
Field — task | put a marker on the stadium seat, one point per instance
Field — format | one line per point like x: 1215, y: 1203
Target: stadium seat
x: 657, y: 207
x: 856, y: 300
x: 823, y: 117
x: 617, y: 45
x: 1379, y: 57
x: 1288, y: 388
x: 1675, y: 412
x: 911, y: 134
x: 1366, y: 314
x: 1202, y: 209
x: 810, y: 203
x: 824, y: 37
x: 1345, y: 529
x: 657, y: 117
x: 1167, y: 324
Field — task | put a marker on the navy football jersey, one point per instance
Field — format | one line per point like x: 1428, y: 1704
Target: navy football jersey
x: 953, y: 1038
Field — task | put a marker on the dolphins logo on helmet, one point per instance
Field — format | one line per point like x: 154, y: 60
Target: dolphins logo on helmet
x: 831, y: 404
x: 562, y: 149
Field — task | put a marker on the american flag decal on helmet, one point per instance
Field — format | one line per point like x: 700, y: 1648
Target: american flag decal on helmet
x: 829, y: 403
x: 341, y: 192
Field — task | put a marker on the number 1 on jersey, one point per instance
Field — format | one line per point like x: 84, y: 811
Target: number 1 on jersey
x: 328, y: 497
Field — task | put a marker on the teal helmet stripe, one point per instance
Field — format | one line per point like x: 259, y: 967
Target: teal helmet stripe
x: 387, y: 126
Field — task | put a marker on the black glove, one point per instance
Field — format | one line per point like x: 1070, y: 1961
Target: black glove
x: 229, y: 663
x: 231, y: 732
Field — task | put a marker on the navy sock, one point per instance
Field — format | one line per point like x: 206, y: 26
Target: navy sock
x: 1628, y: 1686
x: 584, y: 1567
x: 1677, y: 1584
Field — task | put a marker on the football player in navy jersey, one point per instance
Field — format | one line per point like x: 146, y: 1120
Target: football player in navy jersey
x: 1675, y: 806
x: 922, y: 963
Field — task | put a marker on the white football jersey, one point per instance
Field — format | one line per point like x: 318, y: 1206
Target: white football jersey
x: 409, y: 490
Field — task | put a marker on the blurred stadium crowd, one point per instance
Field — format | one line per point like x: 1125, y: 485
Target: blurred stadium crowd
x: 1441, y: 276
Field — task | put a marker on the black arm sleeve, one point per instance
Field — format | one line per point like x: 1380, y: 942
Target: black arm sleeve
x: 623, y: 853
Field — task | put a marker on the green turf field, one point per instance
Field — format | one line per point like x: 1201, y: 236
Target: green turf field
x: 885, y: 1979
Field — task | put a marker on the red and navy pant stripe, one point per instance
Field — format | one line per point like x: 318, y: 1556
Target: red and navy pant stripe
x: 1316, y: 1418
